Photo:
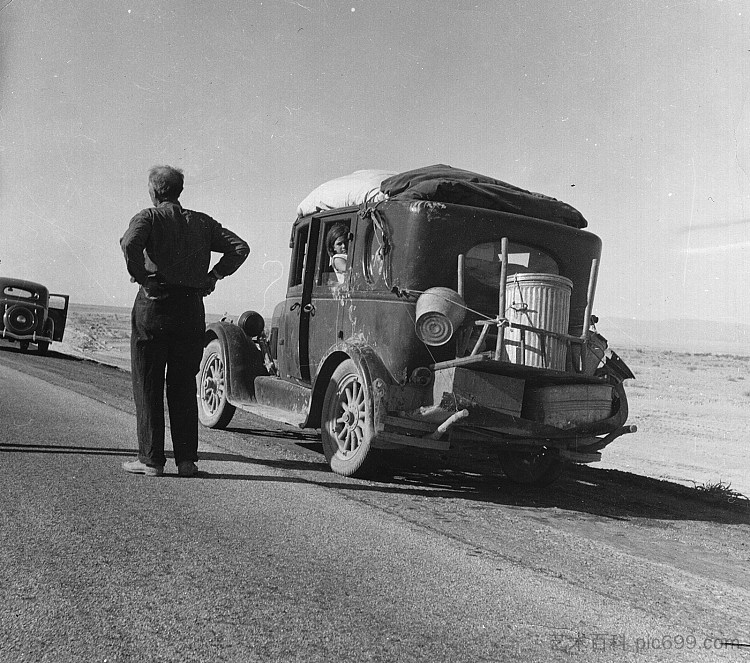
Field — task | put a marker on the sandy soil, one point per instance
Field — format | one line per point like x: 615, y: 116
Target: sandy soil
x: 692, y: 409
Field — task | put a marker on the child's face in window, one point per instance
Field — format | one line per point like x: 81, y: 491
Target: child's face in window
x: 339, y: 246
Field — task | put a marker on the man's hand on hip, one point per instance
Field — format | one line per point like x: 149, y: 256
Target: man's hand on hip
x: 154, y: 289
x: 210, y: 285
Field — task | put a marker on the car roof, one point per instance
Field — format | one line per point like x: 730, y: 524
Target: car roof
x: 21, y: 284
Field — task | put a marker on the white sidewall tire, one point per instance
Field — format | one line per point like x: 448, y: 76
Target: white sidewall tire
x: 214, y: 410
x: 346, y: 423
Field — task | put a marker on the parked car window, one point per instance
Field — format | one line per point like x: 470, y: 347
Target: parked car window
x: 10, y: 291
x: 57, y: 302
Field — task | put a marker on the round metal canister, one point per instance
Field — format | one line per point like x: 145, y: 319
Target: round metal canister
x: 439, y: 312
x: 541, y: 301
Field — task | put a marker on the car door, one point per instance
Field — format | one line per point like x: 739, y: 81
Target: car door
x: 330, y: 292
x: 293, y: 357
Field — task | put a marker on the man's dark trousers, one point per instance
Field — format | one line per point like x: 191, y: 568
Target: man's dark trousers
x: 167, y: 338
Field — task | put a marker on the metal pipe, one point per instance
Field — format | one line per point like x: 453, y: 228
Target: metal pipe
x: 590, y: 298
x: 501, y: 302
x: 442, y: 428
x: 461, y: 272
x: 589, y: 309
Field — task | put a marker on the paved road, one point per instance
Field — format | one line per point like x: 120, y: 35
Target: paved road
x: 272, y: 558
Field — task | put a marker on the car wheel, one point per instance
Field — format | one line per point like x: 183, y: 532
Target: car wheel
x: 42, y: 347
x: 214, y: 410
x: 531, y: 468
x: 346, y: 426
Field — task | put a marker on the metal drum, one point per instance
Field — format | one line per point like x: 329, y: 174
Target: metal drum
x: 439, y: 313
x: 542, y: 301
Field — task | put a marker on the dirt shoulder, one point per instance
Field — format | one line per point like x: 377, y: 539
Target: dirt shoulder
x: 693, y: 416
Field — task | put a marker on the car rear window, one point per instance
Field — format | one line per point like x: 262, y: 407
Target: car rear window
x: 482, y: 270
x: 11, y: 291
x: 483, y: 262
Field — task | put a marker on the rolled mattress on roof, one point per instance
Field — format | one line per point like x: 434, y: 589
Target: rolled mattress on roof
x: 362, y: 186
x: 442, y: 184
x: 445, y: 184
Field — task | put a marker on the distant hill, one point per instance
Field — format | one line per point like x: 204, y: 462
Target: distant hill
x: 677, y: 335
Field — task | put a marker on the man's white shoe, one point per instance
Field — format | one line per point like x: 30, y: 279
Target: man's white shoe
x: 137, y: 467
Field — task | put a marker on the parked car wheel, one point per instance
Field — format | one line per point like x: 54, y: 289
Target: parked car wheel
x: 531, y: 468
x: 42, y: 347
x: 214, y: 410
x: 346, y: 428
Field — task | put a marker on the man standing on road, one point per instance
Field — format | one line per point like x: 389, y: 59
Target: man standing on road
x: 168, y: 252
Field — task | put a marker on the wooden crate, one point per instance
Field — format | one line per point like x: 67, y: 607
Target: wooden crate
x: 498, y: 392
x: 569, y: 405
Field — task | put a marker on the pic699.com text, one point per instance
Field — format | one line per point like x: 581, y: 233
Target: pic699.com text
x: 609, y: 642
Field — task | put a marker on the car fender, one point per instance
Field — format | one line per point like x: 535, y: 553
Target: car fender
x: 243, y: 360
x: 375, y: 377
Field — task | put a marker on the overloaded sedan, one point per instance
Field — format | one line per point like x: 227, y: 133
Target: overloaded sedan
x: 460, y: 313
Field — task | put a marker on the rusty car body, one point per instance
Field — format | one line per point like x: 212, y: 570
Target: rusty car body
x: 430, y: 341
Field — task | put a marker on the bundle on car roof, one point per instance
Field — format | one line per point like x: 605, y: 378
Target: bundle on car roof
x: 438, y: 183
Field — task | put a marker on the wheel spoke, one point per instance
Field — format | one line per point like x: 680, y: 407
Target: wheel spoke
x: 356, y: 438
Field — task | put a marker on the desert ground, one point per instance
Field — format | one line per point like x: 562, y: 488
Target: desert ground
x: 692, y: 408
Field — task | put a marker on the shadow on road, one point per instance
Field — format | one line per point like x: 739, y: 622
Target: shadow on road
x: 606, y: 493
x: 15, y: 349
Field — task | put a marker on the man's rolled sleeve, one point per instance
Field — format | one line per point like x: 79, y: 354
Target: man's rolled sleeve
x: 234, y: 248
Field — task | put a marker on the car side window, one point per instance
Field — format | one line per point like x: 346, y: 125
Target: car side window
x: 299, y: 255
x: 333, y: 252
x: 374, y: 255
x: 57, y: 302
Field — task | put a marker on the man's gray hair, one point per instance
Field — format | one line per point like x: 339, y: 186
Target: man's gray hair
x: 166, y: 182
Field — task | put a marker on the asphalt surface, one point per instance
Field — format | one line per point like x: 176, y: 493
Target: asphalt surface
x: 270, y: 557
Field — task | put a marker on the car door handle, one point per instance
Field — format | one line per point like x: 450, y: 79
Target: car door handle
x: 309, y: 308
x: 294, y: 306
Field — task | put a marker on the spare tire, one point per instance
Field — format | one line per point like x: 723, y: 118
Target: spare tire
x: 19, y: 319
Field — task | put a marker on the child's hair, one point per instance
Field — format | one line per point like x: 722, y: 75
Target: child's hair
x: 337, y: 231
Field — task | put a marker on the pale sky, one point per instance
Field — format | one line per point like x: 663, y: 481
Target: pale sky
x: 634, y: 112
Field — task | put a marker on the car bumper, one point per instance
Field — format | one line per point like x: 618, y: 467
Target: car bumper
x: 34, y: 337
x: 442, y: 427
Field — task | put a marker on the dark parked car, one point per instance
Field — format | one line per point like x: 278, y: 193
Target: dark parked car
x: 464, y: 317
x: 31, y: 314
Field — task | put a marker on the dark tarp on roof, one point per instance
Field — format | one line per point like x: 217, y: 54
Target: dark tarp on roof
x: 444, y: 184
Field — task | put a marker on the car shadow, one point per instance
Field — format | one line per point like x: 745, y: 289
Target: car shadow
x: 13, y: 348
x: 299, y: 435
x: 611, y: 494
